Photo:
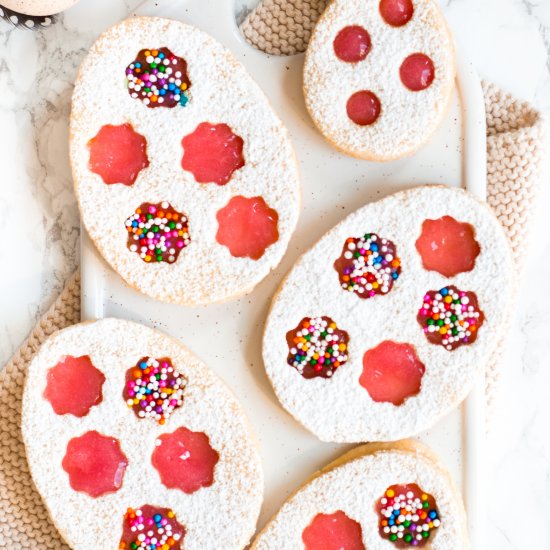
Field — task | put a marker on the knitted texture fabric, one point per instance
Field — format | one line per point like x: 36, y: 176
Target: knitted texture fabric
x: 514, y: 137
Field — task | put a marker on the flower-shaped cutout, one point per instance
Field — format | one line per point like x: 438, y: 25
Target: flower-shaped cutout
x: 333, y: 532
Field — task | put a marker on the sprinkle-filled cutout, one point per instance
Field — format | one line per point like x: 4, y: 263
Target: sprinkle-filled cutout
x: 317, y: 347
x: 417, y: 72
x: 212, y: 153
x: 447, y: 246
x: 368, y: 265
x: 392, y: 372
x: 408, y: 516
x: 74, y: 385
x: 154, y: 388
x: 396, y: 12
x: 151, y: 528
x: 363, y: 108
x: 185, y: 460
x: 450, y: 317
x: 95, y: 464
x: 158, y: 78
x: 247, y: 227
x: 118, y: 154
x: 157, y: 232
x: 352, y: 44
x: 334, y: 531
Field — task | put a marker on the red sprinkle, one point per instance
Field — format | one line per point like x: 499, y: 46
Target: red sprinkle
x: 334, y: 531
x: 118, y: 154
x: 396, y: 12
x: 363, y: 108
x: 417, y: 72
x: 352, y: 44
x: 74, y: 386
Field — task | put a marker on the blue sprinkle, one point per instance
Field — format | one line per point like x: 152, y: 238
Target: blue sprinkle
x: 161, y: 55
x: 374, y: 247
x: 444, y: 291
x: 157, y: 517
x: 143, y: 365
x: 138, y: 65
x: 395, y: 275
x: 433, y: 514
x: 162, y: 92
x: 183, y: 100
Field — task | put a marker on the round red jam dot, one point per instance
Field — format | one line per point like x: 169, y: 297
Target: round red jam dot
x: 317, y: 347
x: 407, y: 516
x: 392, y: 372
x: 450, y: 317
x: 247, y: 226
x: 396, y: 12
x: 447, y: 246
x: 74, y: 386
x: 141, y: 525
x: 185, y: 460
x: 95, y: 464
x: 363, y: 108
x: 334, y: 531
x: 352, y: 44
x: 417, y: 72
x: 212, y: 153
x: 118, y: 154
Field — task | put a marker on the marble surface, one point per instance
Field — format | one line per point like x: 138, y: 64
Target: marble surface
x: 509, y: 41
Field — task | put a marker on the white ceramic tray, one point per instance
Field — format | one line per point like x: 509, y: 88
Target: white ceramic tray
x: 228, y: 336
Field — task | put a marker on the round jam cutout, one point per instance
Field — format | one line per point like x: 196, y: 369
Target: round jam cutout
x: 352, y: 44
x: 118, y: 154
x: 392, y: 372
x: 317, y: 347
x: 407, y: 516
x: 396, y: 12
x: 185, y: 460
x: 150, y: 527
x: 363, y: 108
x: 334, y: 531
x: 95, y: 464
x: 74, y: 386
x: 417, y: 72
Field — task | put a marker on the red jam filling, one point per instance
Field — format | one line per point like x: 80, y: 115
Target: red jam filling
x: 154, y: 388
x: 352, y: 44
x: 363, y: 108
x: 118, y: 154
x: 368, y: 265
x: 95, y: 464
x: 158, y: 78
x: 417, y: 72
x: 247, y: 226
x: 212, y: 153
x: 334, y: 531
x: 150, y: 527
x: 392, y: 372
x: 74, y: 386
x: 317, y: 347
x: 450, y: 317
x: 157, y: 232
x: 447, y: 246
x: 185, y: 460
x: 407, y: 516
x: 396, y: 12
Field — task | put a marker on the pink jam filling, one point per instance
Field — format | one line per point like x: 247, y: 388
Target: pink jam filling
x: 352, y: 44
x: 391, y: 372
x: 333, y: 532
x: 417, y: 72
x: 74, y: 386
x: 118, y: 154
x: 363, y: 108
x: 396, y: 12
x: 185, y: 460
x: 95, y: 464
x: 212, y: 153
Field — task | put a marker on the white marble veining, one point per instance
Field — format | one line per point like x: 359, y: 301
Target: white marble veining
x: 509, y: 41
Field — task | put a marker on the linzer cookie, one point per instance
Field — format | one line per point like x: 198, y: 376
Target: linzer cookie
x: 185, y: 177
x: 134, y: 444
x: 375, y: 497
x: 381, y: 328
x: 379, y: 75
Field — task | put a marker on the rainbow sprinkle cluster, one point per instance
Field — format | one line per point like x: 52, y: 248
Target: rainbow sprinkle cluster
x: 154, y: 389
x: 450, y: 317
x: 158, y: 78
x: 408, y: 516
x: 368, y: 265
x: 317, y: 347
x: 151, y: 528
x: 157, y: 232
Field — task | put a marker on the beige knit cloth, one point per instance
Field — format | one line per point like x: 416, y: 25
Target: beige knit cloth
x: 278, y: 26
